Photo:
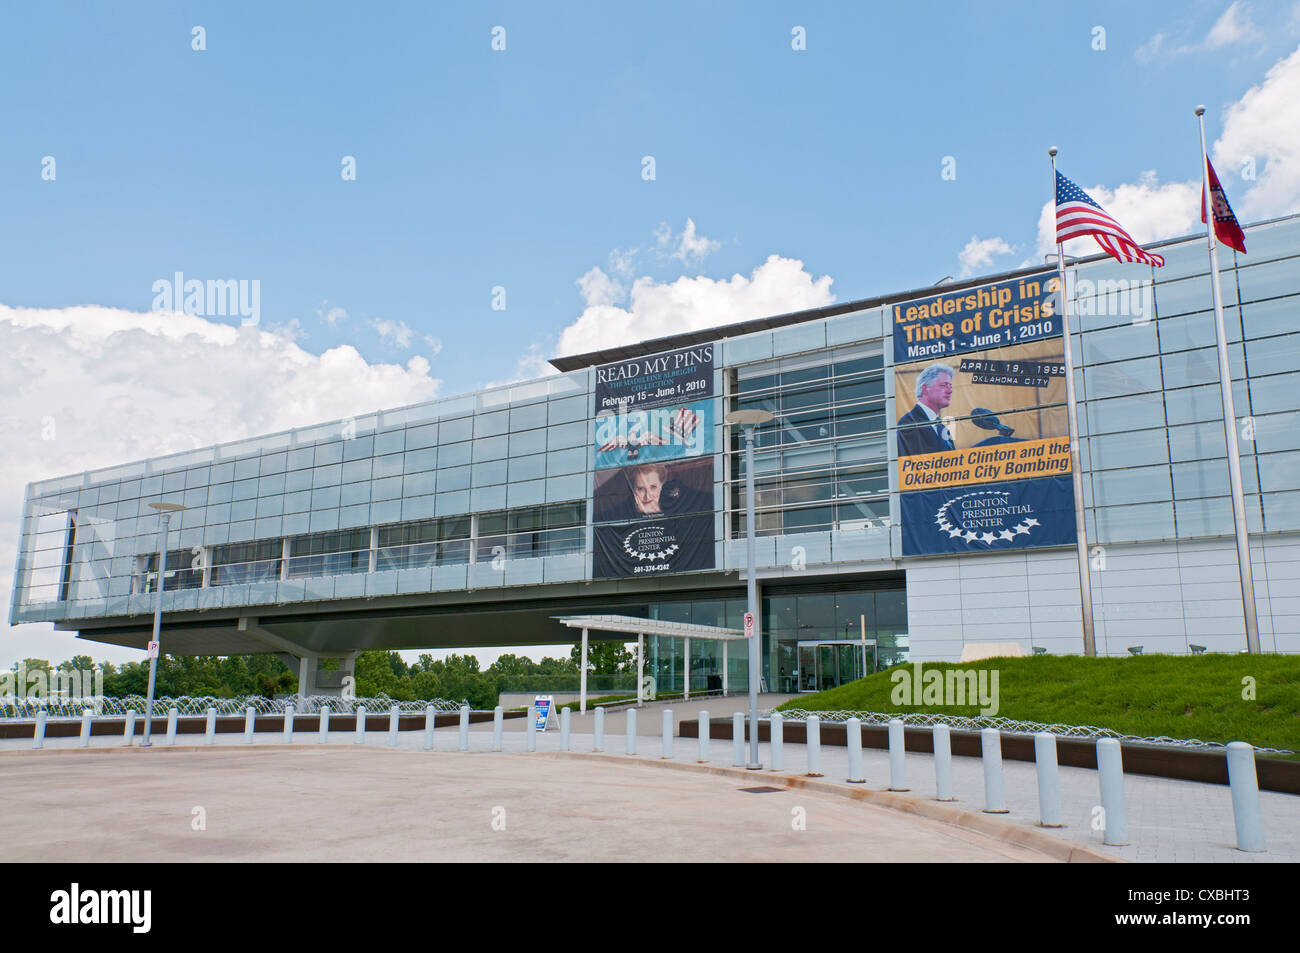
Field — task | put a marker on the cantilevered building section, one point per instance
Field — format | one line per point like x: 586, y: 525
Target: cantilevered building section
x: 913, y: 492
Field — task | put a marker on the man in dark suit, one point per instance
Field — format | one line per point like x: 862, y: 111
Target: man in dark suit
x: 921, y: 430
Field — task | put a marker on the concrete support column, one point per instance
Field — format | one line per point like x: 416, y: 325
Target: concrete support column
x: 582, y: 675
x: 307, y: 675
x: 686, y: 668
x: 640, y: 667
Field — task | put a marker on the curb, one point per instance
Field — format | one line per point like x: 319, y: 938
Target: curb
x: 975, y: 821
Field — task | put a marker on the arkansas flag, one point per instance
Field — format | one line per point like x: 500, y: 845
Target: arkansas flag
x: 1225, y: 223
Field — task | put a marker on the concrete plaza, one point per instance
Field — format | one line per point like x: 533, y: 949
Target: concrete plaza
x: 1169, y: 820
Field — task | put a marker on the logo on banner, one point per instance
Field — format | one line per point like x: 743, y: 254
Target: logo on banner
x: 649, y: 543
x: 986, y: 516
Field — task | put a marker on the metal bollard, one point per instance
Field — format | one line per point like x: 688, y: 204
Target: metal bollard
x: 530, y: 729
x: 777, y: 731
x: 210, y: 728
x: 704, y: 738
x: 1049, y: 780
x: 249, y: 715
x: 1110, y: 773
x: 394, y: 724
x: 995, y: 797
x: 897, y: 756
x: 361, y: 725
x: 431, y: 722
x: 566, y: 723
x: 38, y: 733
x: 87, y: 715
x: 598, y: 738
x: 738, y: 740
x: 324, y: 736
x: 942, y: 742
x: 128, y: 729
x: 853, y: 738
x: 288, y: 723
x: 172, y: 716
x: 813, y: 742
x: 498, y: 726
x: 668, y: 734
x: 1245, y: 797
x: 631, y: 731
x: 463, y: 743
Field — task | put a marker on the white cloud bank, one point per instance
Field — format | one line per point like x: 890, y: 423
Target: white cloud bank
x: 112, y: 386
x: 656, y: 309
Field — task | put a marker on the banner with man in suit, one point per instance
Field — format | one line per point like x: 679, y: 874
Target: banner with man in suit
x: 979, y: 394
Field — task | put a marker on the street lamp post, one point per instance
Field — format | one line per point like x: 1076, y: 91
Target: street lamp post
x: 749, y: 419
x: 166, y: 510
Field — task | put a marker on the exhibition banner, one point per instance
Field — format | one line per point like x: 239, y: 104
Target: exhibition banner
x: 1003, y: 395
x: 982, y: 424
x: 654, y: 434
x: 1008, y: 461
x: 652, y: 490
x: 652, y: 547
x: 672, y: 377
x: 997, y: 315
x: 1018, y: 514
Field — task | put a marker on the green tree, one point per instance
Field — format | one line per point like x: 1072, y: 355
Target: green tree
x: 605, y: 658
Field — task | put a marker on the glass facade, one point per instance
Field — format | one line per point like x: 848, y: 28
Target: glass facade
x: 1151, y: 426
x: 492, y: 488
x: 822, y: 463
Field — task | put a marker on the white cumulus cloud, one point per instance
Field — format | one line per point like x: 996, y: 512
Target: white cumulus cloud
x: 1263, y: 129
x: 980, y: 252
x: 397, y: 332
x: 688, y: 247
x: 89, y: 387
x: 655, y: 309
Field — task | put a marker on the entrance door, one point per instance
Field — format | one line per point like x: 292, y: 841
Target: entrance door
x: 824, y: 665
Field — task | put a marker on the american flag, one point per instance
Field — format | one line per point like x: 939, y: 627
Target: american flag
x: 1077, y: 215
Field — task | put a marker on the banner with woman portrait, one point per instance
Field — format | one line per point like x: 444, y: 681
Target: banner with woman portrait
x: 653, y: 502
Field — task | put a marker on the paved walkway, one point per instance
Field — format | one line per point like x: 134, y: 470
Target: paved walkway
x: 1169, y: 820
x: 348, y: 803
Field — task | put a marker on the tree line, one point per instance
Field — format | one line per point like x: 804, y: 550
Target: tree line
x: 377, y: 673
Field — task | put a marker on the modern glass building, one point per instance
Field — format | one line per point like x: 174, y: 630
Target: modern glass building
x: 473, y: 521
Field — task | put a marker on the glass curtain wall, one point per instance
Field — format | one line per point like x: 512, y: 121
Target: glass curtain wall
x: 821, y: 464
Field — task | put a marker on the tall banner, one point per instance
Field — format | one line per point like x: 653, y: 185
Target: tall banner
x: 652, y: 504
x: 982, y: 432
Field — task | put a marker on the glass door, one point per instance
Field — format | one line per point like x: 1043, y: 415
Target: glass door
x: 807, y: 668
x: 824, y: 665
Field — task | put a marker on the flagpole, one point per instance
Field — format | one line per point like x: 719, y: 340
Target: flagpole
x: 1244, y: 570
x: 1076, y: 471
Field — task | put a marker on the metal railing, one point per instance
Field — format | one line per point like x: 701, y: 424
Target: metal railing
x: 25, y: 709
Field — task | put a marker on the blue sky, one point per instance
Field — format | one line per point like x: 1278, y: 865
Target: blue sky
x: 783, y: 179
x: 522, y: 168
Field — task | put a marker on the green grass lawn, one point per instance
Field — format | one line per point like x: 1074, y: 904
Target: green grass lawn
x: 1197, y: 696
